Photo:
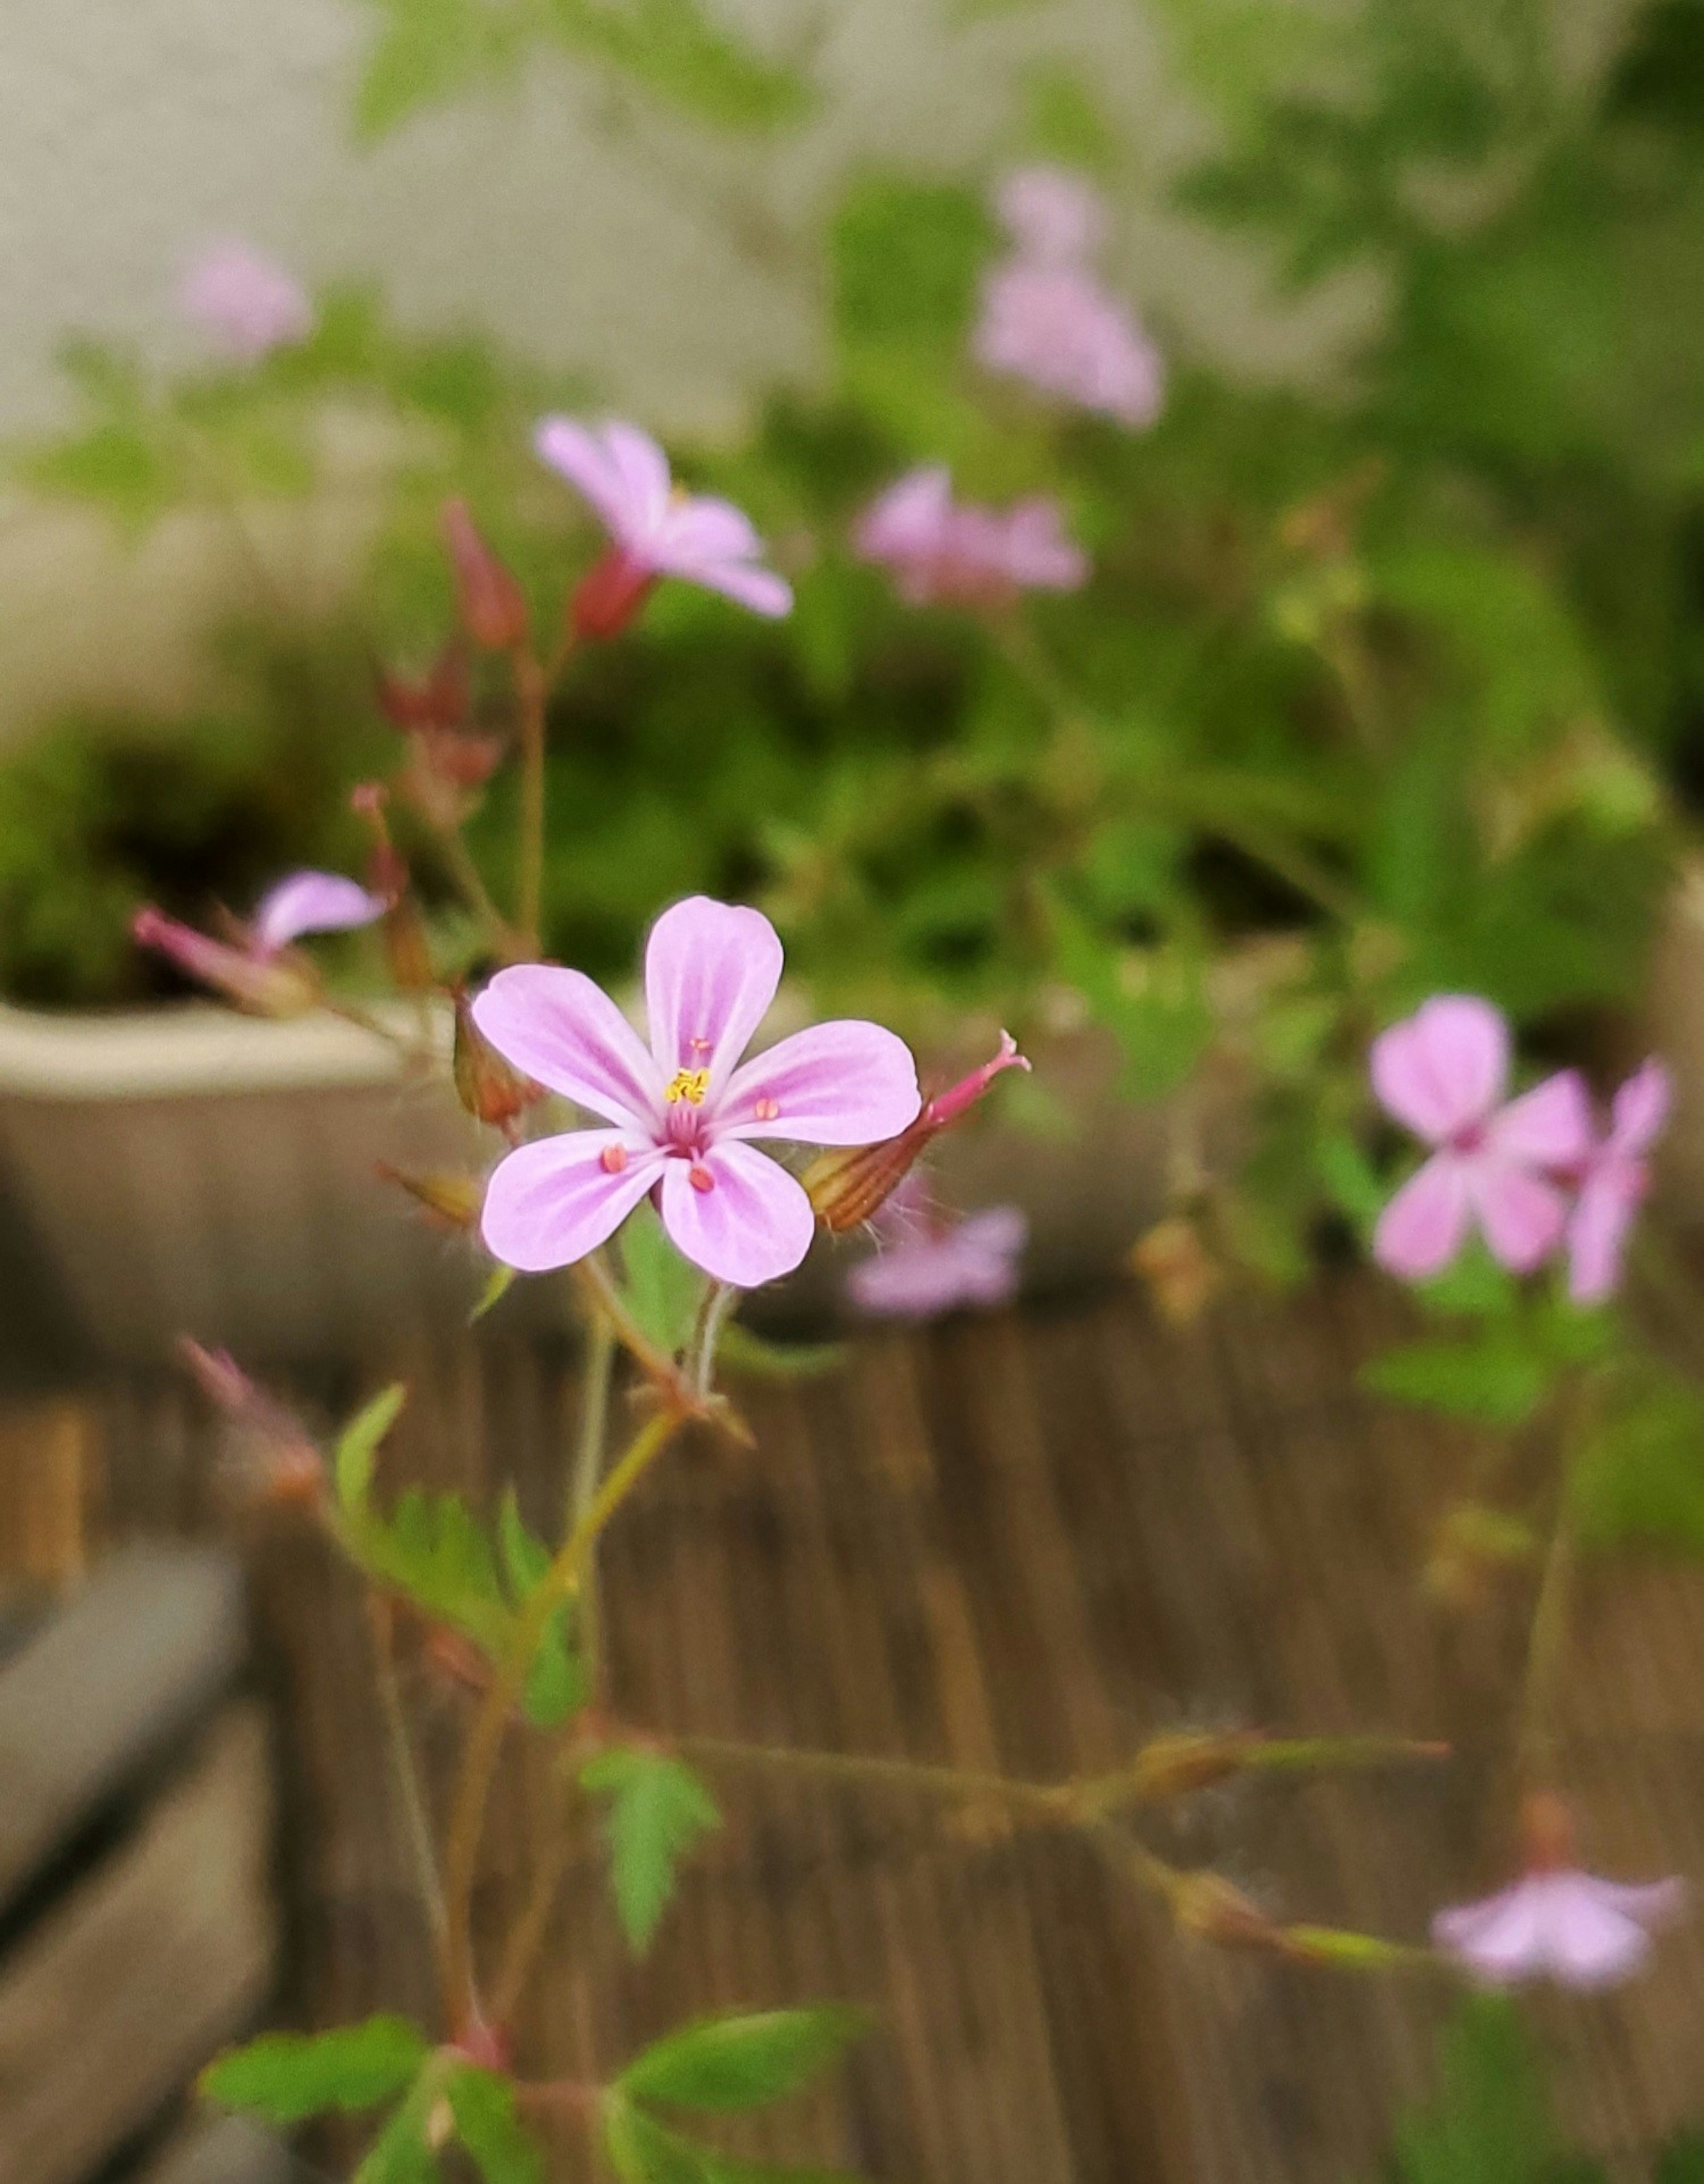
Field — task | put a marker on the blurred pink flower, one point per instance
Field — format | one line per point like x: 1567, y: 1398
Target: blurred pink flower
x: 1051, y: 214
x: 247, y: 970
x: 656, y: 530
x: 970, y: 1262
x: 682, y: 1111
x: 942, y: 549
x: 1561, y: 1924
x: 1443, y: 1072
x: 1613, y: 1180
x: 247, y: 301
x: 1047, y: 317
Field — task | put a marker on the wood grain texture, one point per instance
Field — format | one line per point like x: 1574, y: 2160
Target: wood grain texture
x: 105, y: 1687
x: 1028, y: 1540
x: 111, y: 2002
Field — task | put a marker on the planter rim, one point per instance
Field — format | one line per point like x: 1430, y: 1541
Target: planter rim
x: 196, y: 1047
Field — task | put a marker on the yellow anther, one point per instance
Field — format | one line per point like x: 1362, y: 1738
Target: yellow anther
x: 687, y: 1084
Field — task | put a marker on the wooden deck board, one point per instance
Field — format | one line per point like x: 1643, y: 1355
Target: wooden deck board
x: 1027, y: 1540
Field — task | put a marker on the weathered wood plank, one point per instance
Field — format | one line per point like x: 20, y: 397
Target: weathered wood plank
x: 105, y: 1686
x: 223, y: 2150
x: 111, y: 2003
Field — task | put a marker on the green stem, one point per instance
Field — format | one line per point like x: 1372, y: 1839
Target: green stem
x: 719, y: 1301
x: 530, y: 693
x: 589, y: 1466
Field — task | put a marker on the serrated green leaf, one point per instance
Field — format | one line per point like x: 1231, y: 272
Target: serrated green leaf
x: 357, y: 1446
x: 658, y: 1809
x: 483, y: 2106
x: 724, y: 2064
x: 743, y: 1351
x: 641, y: 2151
x: 1498, y: 1380
x: 287, y: 2076
x: 430, y: 1548
x: 661, y: 1289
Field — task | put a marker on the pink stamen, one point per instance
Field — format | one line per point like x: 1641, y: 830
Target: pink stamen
x: 700, y: 1177
x: 613, y: 1159
x: 766, y: 1110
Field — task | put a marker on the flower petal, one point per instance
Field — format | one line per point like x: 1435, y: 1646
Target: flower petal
x: 1597, y: 1229
x: 579, y: 455
x: 1423, y: 1228
x: 842, y: 1084
x: 565, y: 1031
x: 1549, y: 1126
x: 1651, y: 1903
x: 1502, y: 1937
x: 748, y: 585
x: 997, y: 1232
x: 1443, y: 1067
x: 753, y: 1224
x: 1522, y: 1215
x: 550, y: 1203
x: 908, y: 520
x: 711, y: 970
x: 311, y: 902
x: 701, y: 529
x: 1640, y: 1108
x: 910, y: 1281
x: 1589, y: 1942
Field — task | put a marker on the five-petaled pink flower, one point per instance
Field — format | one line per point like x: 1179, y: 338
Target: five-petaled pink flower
x: 655, y: 528
x: 247, y: 301
x: 1443, y: 1072
x: 683, y: 1112
x: 1613, y: 1180
x: 1559, y: 1922
x: 930, y: 1266
x: 942, y: 549
x: 1048, y: 318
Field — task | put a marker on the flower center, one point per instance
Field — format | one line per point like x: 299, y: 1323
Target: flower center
x: 691, y: 1084
x: 1469, y: 1139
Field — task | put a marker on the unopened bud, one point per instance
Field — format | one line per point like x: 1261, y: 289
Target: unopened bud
x: 449, y: 1197
x: 487, y: 1086
x: 270, y: 1457
x: 438, y: 701
x: 1181, y: 1274
x: 846, y: 1186
x: 608, y: 595
x: 280, y: 984
x: 1207, y: 1905
x: 408, y: 953
x: 1176, y: 1766
x: 491, y: 604
x: 446, y: 769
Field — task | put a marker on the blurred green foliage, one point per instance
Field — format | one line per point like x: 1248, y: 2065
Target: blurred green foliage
x: 1404, y: 669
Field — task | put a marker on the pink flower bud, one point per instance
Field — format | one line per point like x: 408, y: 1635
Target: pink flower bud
x: 491, y: 604
x: 264, y: 985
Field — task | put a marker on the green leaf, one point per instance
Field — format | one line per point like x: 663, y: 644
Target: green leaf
x: 662, y: 1289
x: 658, y: 1809
x: 483, y: 2106
x: 286, y: 2076
x: 641, y: 2151
x: 1064, y: 121
x: 743, y: 1351
x: 1681, y: 2160
x: 114, y: 464
x: 403, y: 2152
x: 556, y: 1685
x: 357, y: 1446
x: 430, y: 1549
x: 907, y: 259
x: 722, y: 2063
x: 427, y: 51
x: 1498, y: 1379
x: 678, y: 52
x: 1639, y: 1475
x: 497, y: 1284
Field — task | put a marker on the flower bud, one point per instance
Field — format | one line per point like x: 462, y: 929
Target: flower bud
x: 449, y: 1197
x: 440, y: 701
x: 270, y: 1456
x: 491, y: 604
x: 1207, y: 1905
x: 408, y: 953
x: 281, y: 984
x: 610, y: 595
x: 446, y: 769
x: 486, y: 1085
x: 846, y: 1186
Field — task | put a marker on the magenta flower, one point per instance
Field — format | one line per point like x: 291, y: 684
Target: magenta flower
x: 941, y: 549
x: 247, y: 970
x: 1612, y: 1183
x: 247, y: 301
x: 1561, y: 1924
x: 1443, y: 1072
x: 948, y: 1265
x: 655, y: 529
x: 1051, y: 215
x: 683, y: 1112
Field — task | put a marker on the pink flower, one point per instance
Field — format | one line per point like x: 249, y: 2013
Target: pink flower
x: 683, y: 1112
x: 974, y: 1261
x: 247, y: 301
x: 1443, y: 1072
x: 1561, y: 1924
x: 1046, y: 317
x: 942, y: 550
x: 1051, y: 214
x: 253, y: 971
x: 1612, y: 1183
x: 655, y: 529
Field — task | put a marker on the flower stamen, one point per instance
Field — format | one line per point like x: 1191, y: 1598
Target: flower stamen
x: 689, y: 1084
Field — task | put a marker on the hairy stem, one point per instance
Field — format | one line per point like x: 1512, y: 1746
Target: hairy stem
x: 582, y: 1485
x: 531, y: 691
x: 416, y: 1822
